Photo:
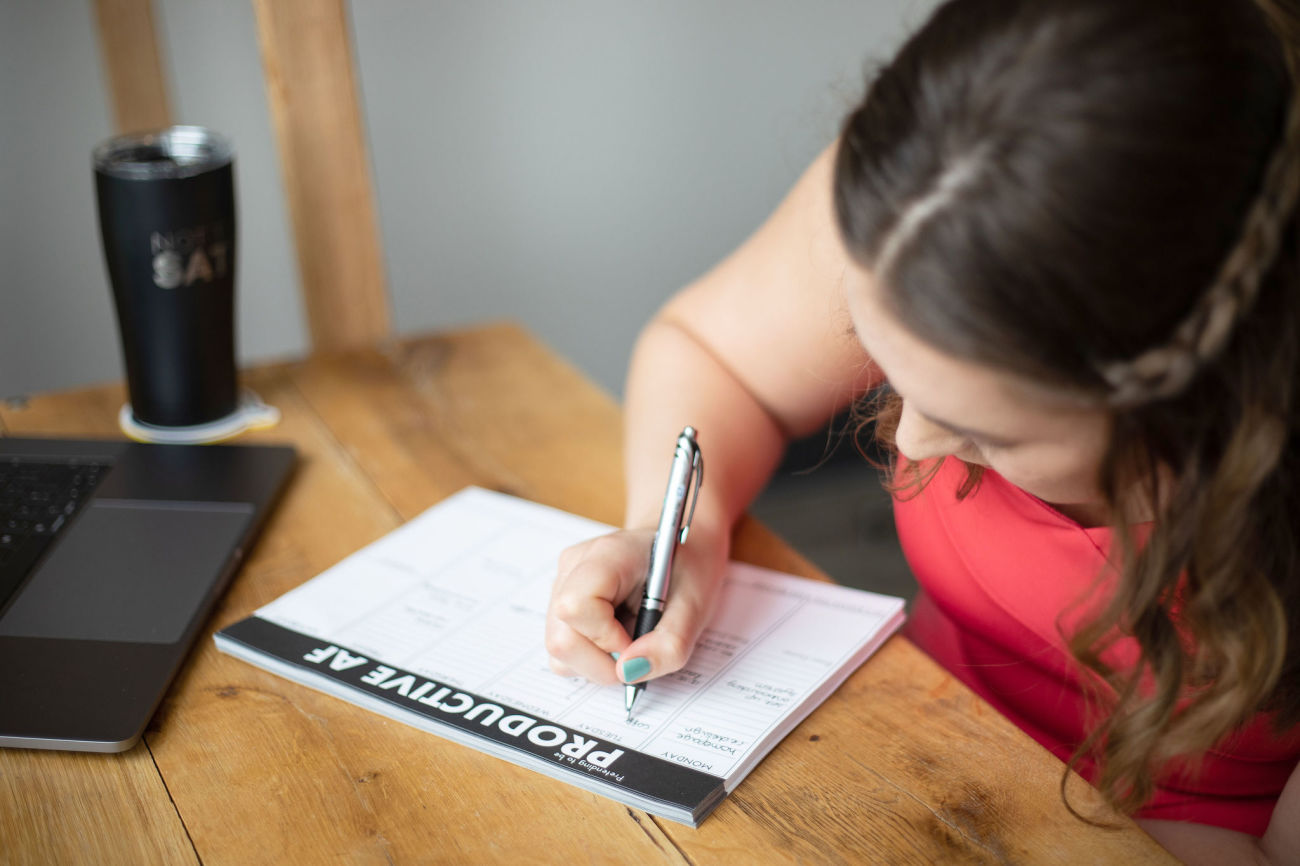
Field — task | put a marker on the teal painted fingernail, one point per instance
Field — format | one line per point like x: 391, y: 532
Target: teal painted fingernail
x: 614, y: 656
x: 634, y: 669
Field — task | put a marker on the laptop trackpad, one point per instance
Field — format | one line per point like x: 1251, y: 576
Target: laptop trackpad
x: 128, y: 571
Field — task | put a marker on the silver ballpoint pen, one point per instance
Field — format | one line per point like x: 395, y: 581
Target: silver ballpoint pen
x: 688, y: 463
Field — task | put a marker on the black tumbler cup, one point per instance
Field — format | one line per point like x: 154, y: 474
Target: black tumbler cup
x: 167, y: 217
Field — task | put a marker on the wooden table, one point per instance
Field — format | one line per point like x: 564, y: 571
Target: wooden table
x: 901, y: 765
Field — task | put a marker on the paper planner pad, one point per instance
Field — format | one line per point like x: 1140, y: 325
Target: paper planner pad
x: 439, y: 624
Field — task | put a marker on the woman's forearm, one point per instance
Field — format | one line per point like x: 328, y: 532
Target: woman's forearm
x: 675, y: 381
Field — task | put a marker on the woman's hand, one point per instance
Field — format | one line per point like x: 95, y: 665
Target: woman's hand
x: 597, y: 576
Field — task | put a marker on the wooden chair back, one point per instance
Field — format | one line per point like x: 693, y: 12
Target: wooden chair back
x: 315, y: 112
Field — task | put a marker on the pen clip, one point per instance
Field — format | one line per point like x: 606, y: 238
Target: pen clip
x: 697, y: 469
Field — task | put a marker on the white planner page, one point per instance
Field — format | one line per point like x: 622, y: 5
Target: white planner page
x: 459, y: 595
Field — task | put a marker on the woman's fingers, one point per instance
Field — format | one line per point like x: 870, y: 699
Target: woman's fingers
x: 669, y: 646
x: 582, y: 627
x: 594, y: 578
x: 571, y: 655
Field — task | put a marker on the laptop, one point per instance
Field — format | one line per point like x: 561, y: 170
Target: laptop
x: 112, y: 556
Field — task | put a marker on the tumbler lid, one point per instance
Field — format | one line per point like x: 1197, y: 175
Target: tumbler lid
x: 174, y: 152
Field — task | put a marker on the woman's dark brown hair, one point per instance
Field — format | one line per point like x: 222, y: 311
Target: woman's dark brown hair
x: 1098, y: 195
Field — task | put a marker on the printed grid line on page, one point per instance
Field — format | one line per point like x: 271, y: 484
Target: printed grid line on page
x: 487, y: 605
x: 357, y: 622
x: 478, y: 659
x: 474, y: 657
x: 412, y: 621
x: 751, y: 642
x: 530, y: 679
x: 396, y: 548
x: 725, y: 710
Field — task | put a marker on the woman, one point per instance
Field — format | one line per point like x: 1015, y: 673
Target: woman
x: 1062, y: 233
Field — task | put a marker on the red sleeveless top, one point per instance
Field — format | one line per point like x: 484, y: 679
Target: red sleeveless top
x: 998, y: 571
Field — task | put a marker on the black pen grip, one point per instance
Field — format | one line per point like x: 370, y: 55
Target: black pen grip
x: 646, y: 620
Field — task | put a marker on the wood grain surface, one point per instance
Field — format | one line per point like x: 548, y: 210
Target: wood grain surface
x: 312, y: 92
x: 133, y: 67
x: 901, y: 765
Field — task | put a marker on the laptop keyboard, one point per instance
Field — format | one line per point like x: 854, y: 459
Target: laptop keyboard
x: 38, y: 499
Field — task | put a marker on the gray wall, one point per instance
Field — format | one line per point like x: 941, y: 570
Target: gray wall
x: 56, y: 320
x: 566, y: 164
x: 54, y: 312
